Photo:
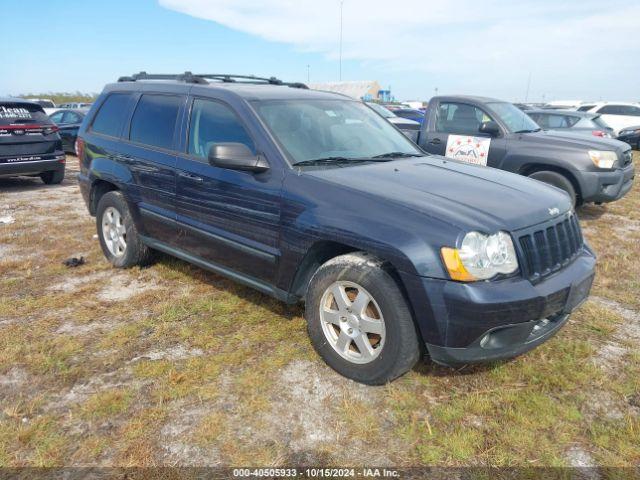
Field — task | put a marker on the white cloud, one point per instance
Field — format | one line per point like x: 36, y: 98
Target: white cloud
x: 498, y: 39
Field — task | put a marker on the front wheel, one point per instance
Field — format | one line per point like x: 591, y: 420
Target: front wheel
x: 359, y: 321
x: 559, y: 181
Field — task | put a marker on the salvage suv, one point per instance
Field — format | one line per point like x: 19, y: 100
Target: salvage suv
x: 29, y: 142
x: 312, y: 197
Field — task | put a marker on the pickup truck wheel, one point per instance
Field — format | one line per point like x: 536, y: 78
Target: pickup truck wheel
x: 359, y: 321
x: 53, y: 177
x: 557, y: 180
x: 118, y: 234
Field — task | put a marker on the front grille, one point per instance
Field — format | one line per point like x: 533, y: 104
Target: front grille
x: 627, y: 158
x: 548, y: 249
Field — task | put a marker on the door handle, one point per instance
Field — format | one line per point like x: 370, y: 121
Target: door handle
x: 435, y: 141
x: 190, y: 176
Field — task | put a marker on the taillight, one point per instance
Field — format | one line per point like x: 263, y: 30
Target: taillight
x: 598, y: 133
x: 79, y: 148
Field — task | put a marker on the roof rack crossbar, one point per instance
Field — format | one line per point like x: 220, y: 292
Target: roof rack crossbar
x: 201, y: 78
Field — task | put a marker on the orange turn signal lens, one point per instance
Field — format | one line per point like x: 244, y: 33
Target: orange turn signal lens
x: 455, y: 267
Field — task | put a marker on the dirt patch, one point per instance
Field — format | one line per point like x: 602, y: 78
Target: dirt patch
x: 579, y: 458
x: 69, y: 328
x: 623, y: 340
x: 174, y: 440
x: 72, y: 282
x: 122, y: 287
x: 178, y: 352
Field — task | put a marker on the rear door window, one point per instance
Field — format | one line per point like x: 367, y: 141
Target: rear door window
x: 154, y: 121
x: 112, y: 115
x: 71, y: 117
x: 611, y: 110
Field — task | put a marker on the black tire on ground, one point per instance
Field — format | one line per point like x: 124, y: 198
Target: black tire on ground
x: 557, y: 180
x: 52, y: 177
x: 136, y: 252
x: 401, y: 349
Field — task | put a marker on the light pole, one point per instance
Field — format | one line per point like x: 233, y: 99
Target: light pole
x: 308, y: 73
x: 341, y: 4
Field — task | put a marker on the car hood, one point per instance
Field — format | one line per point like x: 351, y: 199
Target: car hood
x: 467, y: 196
x: 555, y: 139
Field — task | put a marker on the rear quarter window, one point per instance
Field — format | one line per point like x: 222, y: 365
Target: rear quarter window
x: 112, y: 115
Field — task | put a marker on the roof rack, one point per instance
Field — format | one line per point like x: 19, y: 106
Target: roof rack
x: 202, y: 78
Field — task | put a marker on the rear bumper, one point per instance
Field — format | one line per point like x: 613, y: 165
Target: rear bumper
x: 607, y: 186
x: 484, y: 321
x: 31, y: 164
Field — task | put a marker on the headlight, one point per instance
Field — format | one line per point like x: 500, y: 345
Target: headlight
x: 603, y: 158
x: 481, y: 257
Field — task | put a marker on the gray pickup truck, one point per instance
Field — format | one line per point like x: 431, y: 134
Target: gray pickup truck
x: 495, y: 133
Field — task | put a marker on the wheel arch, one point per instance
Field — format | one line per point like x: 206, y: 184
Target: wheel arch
x: 98, y: 189
x: 531, y: 168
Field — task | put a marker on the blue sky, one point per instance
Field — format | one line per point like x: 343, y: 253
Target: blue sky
x: 574, y: 49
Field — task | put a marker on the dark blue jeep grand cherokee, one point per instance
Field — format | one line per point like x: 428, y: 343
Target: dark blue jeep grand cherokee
x: 309, y: 196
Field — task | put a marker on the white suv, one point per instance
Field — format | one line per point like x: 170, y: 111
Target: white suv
x: 617, y: 115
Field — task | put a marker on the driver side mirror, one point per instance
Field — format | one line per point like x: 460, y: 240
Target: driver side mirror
x: 490, y: 128
x: 236, y: 156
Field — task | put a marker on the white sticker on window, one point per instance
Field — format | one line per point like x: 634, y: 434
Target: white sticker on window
x: 468, y: 149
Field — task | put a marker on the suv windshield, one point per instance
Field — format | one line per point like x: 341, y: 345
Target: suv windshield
x: 329, y: 129
x: 514, y: 118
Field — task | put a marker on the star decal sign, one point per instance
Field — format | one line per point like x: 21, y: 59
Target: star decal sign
x: 468, y: 149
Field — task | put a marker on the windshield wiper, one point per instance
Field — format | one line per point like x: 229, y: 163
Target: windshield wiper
x: 528, y: 131
x: 337, y: 160
x: 397, y: 155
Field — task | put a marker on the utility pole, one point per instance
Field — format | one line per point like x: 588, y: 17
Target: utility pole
x: 526, y: 96
x: 308, y: 73
x: 340, y: 74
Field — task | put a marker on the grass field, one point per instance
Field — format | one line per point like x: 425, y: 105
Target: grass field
x: 171, y: 365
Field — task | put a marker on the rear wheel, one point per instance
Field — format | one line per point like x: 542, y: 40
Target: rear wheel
x: 359, y: 321
x: 557, y: 180
x: 118, y: 234
x: 53, y: 177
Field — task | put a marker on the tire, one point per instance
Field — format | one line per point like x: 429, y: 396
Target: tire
x: 112, y: 214
x: 557, y: 180
x: 52, y: 177
x: 392, y: 337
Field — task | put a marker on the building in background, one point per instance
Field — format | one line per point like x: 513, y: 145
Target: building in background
x: 362, y: 89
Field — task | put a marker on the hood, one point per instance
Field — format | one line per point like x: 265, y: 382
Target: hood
x: 576, y: 141
x: 402, y: 121
x: 467, y: 196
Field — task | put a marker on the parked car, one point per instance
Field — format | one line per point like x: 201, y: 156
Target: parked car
x: 409, y: 127
x: 618, y: 115
x: 75, y: 105
x: 311, y: 196
x: 47, y: 105
x: 631, y: 135
x: 562, y: 104
x: 494, y: 133
x: 68, y: 122
x: 572, y: 122
x: 410, y: 113
x: 29, y: 142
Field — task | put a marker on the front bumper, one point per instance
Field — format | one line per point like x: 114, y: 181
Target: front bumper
x: 484, y: 321
x: 31, y: 164
x: 602, y: 187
